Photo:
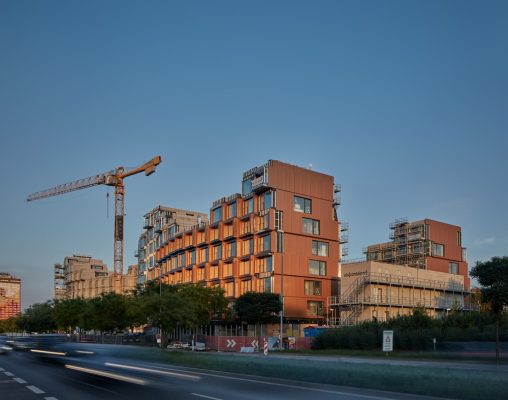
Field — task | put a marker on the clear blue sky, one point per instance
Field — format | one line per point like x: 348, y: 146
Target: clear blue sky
x: 405, y: 103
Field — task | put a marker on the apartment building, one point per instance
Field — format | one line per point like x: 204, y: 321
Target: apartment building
x: 424, y: 265
x: 425, y: 244
x: 59, y: 288
x: 10, y: 296
x: 159, y: 225
x: 280, y: 235
x: 372, y: 290
x: 87, y: 278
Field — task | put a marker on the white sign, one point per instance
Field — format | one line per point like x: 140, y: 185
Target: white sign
x: 387, y: 340
x: 255, y: 343
x: 230, y: 343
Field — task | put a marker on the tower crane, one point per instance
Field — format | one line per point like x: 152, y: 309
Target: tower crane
x: 114, y: 178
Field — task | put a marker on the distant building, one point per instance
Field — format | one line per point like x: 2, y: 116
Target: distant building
x: 10, y: 296
x: 87, y: 278
x: 159, y: 225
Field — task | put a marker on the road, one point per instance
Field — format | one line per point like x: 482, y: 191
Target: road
x: 25, y: 377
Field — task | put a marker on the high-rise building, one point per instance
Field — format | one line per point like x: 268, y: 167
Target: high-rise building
x: 280, y: 235
x: 10, y: 296
x: 159, y: 225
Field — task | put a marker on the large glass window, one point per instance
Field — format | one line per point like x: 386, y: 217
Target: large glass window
x: 310, y: 226
x: 437, y: 249
x: 217, y: 214
x: 266, y: 241
x: 232, y: 210
x: 319, y: 248
x: 312, y: 288
x: 317, y: 267
x: 301, y: 204
x: 246, y: 187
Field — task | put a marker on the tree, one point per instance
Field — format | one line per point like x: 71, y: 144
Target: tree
x: 493, y: 277
x: 37, y: 318
x: 262, y: 308
x: 67, y: 313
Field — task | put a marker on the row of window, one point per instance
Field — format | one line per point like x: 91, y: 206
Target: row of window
x: 265, y: 201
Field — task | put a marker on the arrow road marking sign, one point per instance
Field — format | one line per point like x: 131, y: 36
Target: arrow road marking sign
x: 230, y: 343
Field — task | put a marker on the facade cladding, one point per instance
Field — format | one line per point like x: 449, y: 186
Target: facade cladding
x: 10, y: 296
x: 280, y: 235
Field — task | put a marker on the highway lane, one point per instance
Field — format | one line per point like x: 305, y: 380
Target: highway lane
x: 157, y: 380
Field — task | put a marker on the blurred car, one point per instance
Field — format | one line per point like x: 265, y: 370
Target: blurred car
x: 23, y: 343
x: 4, y: 345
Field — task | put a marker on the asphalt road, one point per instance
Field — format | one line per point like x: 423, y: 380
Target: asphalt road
x: 26, y: 377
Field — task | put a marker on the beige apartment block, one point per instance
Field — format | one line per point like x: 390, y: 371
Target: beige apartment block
x: 161, y: 224
x: 379, y: 291
x: 86, y: 277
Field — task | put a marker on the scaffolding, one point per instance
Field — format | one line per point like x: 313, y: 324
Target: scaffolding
x: 434, y: 295
x: 410, y: 245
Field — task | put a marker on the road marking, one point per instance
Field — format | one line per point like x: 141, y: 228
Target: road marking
x: 206, y: 397
x: 50, y: 398
x: 8, y: 373
x: 1, y: 369
x: 19, y: 380
x: 35, y: 389
x: 107, y: 374
x: 155, y: 371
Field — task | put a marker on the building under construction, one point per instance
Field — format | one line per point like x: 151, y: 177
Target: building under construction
x: 423, y: 266
x: 85, y: 277
x: 10, y: 296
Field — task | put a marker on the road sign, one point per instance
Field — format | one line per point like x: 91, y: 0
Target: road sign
x: 230, y: 343
x: 265, y: 347
x: 387, y: 340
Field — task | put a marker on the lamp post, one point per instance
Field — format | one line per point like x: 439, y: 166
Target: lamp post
x: 280, y: 248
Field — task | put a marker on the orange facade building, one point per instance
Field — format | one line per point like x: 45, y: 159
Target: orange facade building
x: 280, y: 235
x: 10, y: 296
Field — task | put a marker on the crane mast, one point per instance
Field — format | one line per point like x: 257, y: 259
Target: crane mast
x: 112, y: 178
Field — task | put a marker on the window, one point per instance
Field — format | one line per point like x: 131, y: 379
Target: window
x: 200, y: 274
x: 319, y: 248
x: 265, y: 201
x: 181, y: 260
x: 229, y: 289
x: 459, y: 238
x: 453, y: 268
x: 245, y: 286
x: 247, y: 247
x: 227, y: 270
x: 264, y: 265
x: 230, y: 249
x: 217, y: 252
x: 246, y: 187
x: 248, y: 206
x: 244, y: 267
x: 264, y: 285
x: 310, y: 226
x: 232, y: 210
x: 192, y: 257
x: 203, y: 255
x: 317, y: 267
x: 301, y: 204
x: 217, y: 214
x: 314, y: 308
x: 264, y: 243
x: 214, y: 272
x: 312, y: 288
x: 437, y: 249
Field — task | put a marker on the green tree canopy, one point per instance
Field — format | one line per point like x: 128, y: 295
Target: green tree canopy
x: 493, y: 277
x: 37, y: 318
x: 253, y: 307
